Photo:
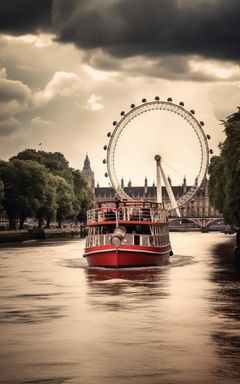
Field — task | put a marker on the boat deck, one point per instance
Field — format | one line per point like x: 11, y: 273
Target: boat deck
x: 125, y: 212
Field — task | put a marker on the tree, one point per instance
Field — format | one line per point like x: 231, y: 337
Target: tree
x: 217, y: 182
x: 224, y: 170
x: 25, y: 189
x: 83, y: 196
x: 1, y: 195
x: 66, y: 194
x: 47, y: 210
x: 55, y: 162
x: 64, y: 199
x: 28, y: 154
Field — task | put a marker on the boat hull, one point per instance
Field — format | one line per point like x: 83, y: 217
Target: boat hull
x: 127, y: 256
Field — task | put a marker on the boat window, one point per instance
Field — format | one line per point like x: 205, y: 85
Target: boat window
x: 110, y: 215
x: 105, y: 229
x: 145, y: 214
x: 139, y: 229
x: 136, y: 239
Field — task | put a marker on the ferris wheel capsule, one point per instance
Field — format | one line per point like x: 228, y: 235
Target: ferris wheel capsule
x: 169, y: 99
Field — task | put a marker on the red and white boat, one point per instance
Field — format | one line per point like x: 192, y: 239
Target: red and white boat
x: 127, y: 234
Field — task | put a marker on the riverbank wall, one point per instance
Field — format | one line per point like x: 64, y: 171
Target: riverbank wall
x: 39, y: 234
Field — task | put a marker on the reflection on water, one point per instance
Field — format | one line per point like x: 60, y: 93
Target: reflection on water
x: 136, y: 287
x: 62, y: 322
x: 226, y: 304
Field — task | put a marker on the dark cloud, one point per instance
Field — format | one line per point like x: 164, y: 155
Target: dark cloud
x: 172, y: 67
x: 12, y: 90
x: 166, y: 31
x: 9, y: 126
x: 14, y: 97
x: 126, y: 28
x: 25, y: 16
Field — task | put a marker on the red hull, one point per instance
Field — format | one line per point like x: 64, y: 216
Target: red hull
x: 127, y: 256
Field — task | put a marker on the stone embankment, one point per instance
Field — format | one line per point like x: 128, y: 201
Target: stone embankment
x: 38, y: 234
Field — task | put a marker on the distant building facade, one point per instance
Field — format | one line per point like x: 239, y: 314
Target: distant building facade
x: 198, y: 206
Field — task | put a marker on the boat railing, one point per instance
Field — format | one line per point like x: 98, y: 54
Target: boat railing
x: 129, y: 239
x: 127, y: 213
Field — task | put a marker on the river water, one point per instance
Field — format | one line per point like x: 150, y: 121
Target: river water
x: 63, y: 323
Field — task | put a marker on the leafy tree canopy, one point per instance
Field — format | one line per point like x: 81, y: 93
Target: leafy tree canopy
x: 65, y: 199
x: 25, y: 187
x: 41, y: 184
x: 224, y: 170
x: 1, y: 195
x: 84, y: 197
x: 54, y: 161
x: 47, y: 210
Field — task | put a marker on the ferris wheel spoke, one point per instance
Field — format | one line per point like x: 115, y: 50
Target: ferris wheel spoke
x: 173, y: 169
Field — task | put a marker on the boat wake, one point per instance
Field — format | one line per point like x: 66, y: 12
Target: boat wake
x: 175, y: 261
x: 181, y: 261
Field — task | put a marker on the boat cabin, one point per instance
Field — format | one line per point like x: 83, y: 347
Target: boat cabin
x: 144, y: 223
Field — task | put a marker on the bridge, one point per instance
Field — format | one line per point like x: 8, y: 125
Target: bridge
x: 204, y: 223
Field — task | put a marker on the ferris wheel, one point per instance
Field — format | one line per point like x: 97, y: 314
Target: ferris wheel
x: 163, y: 142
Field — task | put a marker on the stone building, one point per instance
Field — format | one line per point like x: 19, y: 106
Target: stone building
x: 198, y: 206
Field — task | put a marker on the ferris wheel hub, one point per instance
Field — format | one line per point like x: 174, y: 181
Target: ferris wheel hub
x: 158, y: 159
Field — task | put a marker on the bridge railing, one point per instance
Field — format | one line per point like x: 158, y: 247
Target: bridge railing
x: 201, y: 222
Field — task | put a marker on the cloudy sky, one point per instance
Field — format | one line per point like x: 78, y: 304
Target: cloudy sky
x: 68, y: 68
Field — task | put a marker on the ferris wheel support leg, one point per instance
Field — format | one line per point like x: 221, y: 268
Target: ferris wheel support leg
x: 159, y: 184
x: 170, y: 192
